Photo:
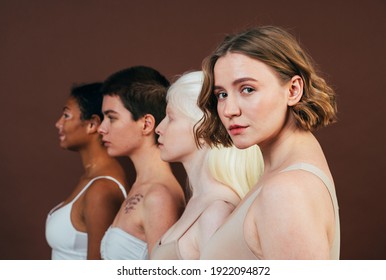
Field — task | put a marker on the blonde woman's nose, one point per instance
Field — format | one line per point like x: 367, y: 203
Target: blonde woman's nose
x: 231, y: 108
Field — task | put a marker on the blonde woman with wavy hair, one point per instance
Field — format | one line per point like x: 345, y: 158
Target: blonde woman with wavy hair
x: 219, y: 177
x: 261, y: 88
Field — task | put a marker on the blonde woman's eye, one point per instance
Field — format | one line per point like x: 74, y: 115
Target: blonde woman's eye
x: 221, y: 95
x: 247, y: 90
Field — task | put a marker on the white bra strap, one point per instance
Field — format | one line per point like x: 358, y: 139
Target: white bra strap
x: 101, y: 177
x: 121, y: 187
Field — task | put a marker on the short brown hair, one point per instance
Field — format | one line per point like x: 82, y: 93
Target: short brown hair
x: 279, y: 50
x: 142, y: 91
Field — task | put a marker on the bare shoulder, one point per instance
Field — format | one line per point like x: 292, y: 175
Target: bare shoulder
x: 103, y: 189
x: 292, y: 216
x: 101, y: 202
x: 292, y: 195
x: 295, y: 184
x: 157, y: 193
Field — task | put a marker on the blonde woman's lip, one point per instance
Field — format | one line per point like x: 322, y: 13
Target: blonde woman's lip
x: 237, y: 129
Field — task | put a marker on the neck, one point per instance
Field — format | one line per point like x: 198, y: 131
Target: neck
x: 93, y: 156
x: 197, y: 171
x: 280, y: 151
x: 148, y: 163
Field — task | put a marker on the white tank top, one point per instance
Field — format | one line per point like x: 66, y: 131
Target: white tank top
x: 117, y: 244
x: 66, y: 242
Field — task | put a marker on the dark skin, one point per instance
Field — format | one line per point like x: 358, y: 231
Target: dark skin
x: 94, y: 211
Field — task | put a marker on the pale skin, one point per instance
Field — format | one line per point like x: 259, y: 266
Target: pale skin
x: 96, y: 208
x: 213, y: 200
x: 156, y: 200
x: 293, y: 216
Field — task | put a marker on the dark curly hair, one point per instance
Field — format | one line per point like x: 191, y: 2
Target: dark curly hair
x: 89, y: 99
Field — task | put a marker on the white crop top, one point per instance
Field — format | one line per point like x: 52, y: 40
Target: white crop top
x: 66, y: 242
x: 117, y: 244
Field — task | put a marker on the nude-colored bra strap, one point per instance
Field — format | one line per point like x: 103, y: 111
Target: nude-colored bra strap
x: 319, y: 173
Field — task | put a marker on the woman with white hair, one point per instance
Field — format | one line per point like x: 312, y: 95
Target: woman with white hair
x: 219, y: 177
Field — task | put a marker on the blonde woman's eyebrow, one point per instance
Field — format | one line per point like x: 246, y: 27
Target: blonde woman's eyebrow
x: 236, y: 82
x: 242, y: 80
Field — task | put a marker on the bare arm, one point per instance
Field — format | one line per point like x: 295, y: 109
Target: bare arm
x: 211, y: 219
x: 292, y: 216
x: 102, y: 201
x: 161, y: 211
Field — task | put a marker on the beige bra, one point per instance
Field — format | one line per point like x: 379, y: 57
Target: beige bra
x: 228, y: 241
x: 170, y: 250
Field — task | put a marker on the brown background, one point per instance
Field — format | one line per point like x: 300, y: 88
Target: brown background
x: 46, y: 46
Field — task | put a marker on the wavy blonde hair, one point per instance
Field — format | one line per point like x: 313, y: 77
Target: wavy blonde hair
x: 279, y: 50
x: 233, y: 167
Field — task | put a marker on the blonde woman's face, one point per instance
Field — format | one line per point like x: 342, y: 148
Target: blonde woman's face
x: 252, y: 102
x: 176, y: 139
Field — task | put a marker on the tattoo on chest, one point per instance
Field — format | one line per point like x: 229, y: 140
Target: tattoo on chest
x: 132, y: 201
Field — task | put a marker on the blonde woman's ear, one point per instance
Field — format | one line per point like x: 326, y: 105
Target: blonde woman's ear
x: 295, y: 90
